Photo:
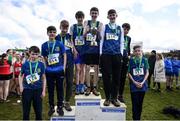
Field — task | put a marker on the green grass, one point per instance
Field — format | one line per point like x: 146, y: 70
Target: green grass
x: 153, y: 104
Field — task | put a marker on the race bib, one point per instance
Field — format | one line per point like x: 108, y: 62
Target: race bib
x: 17, y: 69
x: 32, y: 78
x: 79, y: 41
x: 89, y: 37
x: 138, y: 72
x: 68, y: 44
x: 110, y: 36
x: 53, y: 59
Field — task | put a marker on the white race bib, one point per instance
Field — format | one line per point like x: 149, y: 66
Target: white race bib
x: 79, y: 41
x: 110, y: 36
x: 17, y: 69
x: 32, y: 78
x: 53, y: 59
x: 138, y: 72
x: 89, y: 37
x: 68, y: 44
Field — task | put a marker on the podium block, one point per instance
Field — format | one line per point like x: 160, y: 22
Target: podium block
x: 91, y: 108
x: 87, y: 107
x: 68, y: 115
x: 113, y: 113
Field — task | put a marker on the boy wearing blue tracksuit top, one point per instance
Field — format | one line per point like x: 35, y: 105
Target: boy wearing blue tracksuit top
x: 176, y: 69
x: 138, y: 74
x: 54, y: 55
x: 168, y: 72
x: 65, y: 38
x: 76, y: 32
x: 111, y: 49
x: 32, y: 84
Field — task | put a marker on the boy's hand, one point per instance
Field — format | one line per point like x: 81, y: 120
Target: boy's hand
x: 138, y: 85
x: 87, y: 28
x: 141, y: 85
x: 75, y: 54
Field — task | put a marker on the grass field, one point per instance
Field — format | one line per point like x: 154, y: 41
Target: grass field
x: 154, y: 102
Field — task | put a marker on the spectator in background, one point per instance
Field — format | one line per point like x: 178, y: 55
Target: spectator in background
x: 168, y: 72
x: 151, y: 61
x: 17, y: 69
x: 159, y: 71
x: 5, y: 76
x: 25, y: 56
x: 11, y: 59
x: 176, y: 69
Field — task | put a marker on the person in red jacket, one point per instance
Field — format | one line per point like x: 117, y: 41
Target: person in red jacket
x: 5, y: 76
x: 17, y: 69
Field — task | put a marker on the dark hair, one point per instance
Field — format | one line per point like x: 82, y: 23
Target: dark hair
x: 51, y: 28
x: 8, y: 50
x: 2, y: 58
x: 126, y: 25
x: 153, y: 51
x: 94, y: 9
x: 64, y: 23
x: 136, y: 46
x: 34, y: 49
x: 169, y: 55
x: 79, y: 14
x: 111, y: 11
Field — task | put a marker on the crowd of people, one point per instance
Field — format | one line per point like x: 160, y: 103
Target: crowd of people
x: 88, y: 45
x: 163, y: 70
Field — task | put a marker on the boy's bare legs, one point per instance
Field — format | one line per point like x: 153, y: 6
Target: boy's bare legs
x: 87, y: 79
x: 1, y: 90
x: 77, y: 78
x: 95, y: 80
x: 6, y: 89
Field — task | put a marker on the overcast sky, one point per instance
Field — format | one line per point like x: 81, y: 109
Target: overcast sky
x: 156, y: 23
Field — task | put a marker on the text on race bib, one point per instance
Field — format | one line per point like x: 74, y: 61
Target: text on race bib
x: 138, y: 72
x: 68, y: 44
x: 111, y: 36
x: 32, y: 78
x: 79, y: 41
x: 90, y: 37
x: 53, y: 59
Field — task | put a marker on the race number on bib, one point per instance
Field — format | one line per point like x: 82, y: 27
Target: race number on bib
x: 32, y: 78
x: 68, y: 44
x: 138, y: 72
x: 89, y: 37
x: 53, y: 59
x: 110, y: 36
x: 79, y: 41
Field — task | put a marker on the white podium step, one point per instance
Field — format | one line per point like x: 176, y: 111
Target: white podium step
x: 91, y: 108
x: 87, y: 107
x: 113, y: 113
x: 68, y: 115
